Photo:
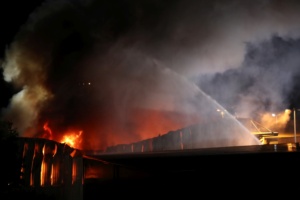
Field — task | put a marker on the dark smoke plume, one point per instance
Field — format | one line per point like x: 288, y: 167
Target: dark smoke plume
x: 266, y: 81
x: 122, y: 71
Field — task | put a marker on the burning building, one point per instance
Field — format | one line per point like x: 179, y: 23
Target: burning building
x: 41, y: 168
x: 222, y: 132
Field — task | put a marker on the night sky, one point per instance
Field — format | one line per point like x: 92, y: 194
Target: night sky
x: 128, y: 66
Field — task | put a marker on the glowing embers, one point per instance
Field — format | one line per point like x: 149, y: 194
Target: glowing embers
x: 35, y: 176
x: 46, y: 168
x: 55, y: 164
x: 48, y: 163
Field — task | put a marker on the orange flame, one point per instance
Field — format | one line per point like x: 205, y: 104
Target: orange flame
x: 48, y: 131
x: 72, y: 139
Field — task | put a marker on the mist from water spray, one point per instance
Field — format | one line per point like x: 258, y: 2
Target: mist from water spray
x: 50, y: 61
x: 216, y: 128
x: 224, y: 131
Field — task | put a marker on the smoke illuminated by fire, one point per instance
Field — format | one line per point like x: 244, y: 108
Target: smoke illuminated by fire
x: 102, y: 73
x: 276, y: 121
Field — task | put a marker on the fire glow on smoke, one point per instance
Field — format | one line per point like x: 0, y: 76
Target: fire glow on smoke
x: 96, y: 73
x: 72, y: 137
x: 150, y: 123
x: 276, y: 121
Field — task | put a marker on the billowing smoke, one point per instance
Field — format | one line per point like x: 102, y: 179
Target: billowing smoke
x: 266, y: 81
x: 122, y: 71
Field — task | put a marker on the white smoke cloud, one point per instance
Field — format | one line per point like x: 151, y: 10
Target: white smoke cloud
x: 135, y: 55
x: 209, y: 37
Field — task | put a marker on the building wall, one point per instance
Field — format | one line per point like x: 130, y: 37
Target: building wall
x: 42, y: 167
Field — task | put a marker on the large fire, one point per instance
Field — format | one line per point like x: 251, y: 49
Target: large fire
x: 70, y: 137
x: 73, y: 139
x: 140, y: 124
x: 145, y: 124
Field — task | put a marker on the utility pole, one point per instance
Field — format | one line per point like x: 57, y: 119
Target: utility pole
x: 295, y: 130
